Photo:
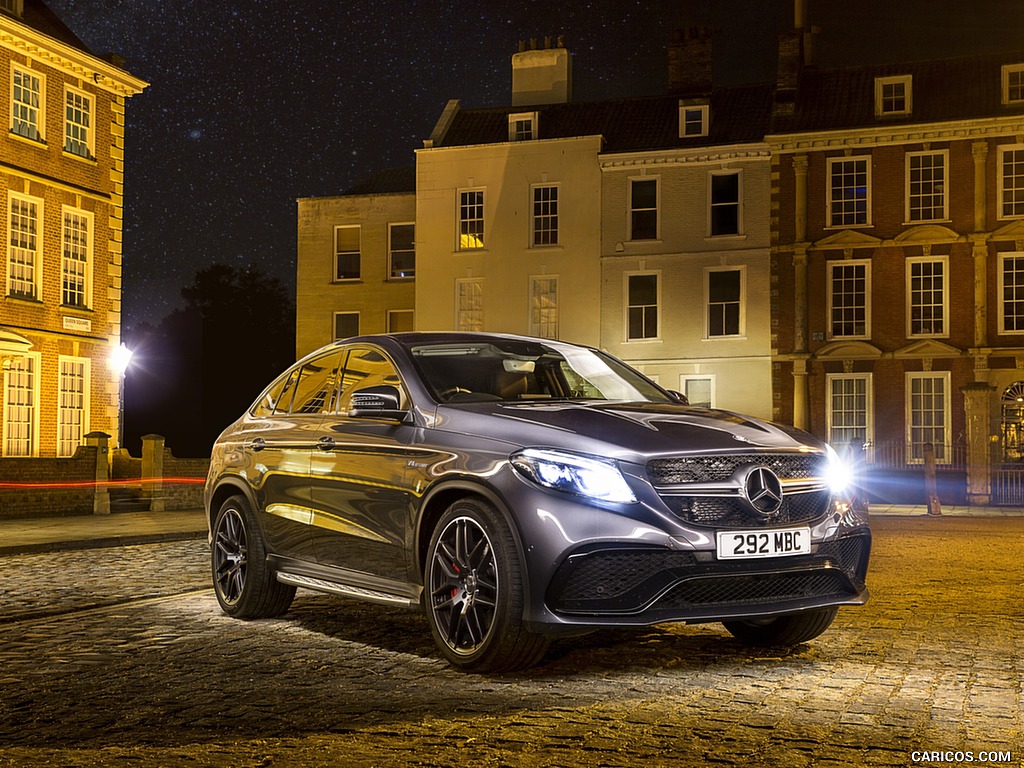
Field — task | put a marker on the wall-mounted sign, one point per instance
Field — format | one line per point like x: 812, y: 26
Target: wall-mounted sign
x: 78, y: 324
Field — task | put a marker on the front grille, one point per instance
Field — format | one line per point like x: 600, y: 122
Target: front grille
x: 756, y: 589
x: 701, y: 469
x: 612, y: 574
x: 732, y: 511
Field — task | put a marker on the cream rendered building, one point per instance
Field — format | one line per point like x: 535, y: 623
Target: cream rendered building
x: 356, y: 261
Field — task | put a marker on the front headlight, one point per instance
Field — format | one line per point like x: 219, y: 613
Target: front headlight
x: 838, y: 474
x: 572, y: 473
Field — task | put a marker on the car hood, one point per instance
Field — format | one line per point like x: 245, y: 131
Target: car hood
x: 625, y: 431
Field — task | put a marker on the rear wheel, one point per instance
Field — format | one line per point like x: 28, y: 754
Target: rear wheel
x: 782, y: 630
x: 245, y: 585
x: 474, y: 591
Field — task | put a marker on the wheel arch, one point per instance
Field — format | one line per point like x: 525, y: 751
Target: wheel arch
x: 225, y: 488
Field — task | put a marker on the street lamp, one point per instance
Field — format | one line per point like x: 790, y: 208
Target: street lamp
x: 120, y: 357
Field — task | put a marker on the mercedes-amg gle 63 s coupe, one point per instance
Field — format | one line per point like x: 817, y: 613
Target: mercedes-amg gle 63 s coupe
x: 518, y: 489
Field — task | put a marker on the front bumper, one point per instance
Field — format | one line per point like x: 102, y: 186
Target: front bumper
x: 619, y: 586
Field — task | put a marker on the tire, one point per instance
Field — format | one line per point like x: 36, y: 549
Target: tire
x: 783, y: 630
x: 245, y: 585
x: 473, y: 592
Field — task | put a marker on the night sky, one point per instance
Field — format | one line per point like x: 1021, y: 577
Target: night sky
x: 253, y: 104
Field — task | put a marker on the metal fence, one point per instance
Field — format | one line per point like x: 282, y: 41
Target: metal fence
x: 1008, y: 485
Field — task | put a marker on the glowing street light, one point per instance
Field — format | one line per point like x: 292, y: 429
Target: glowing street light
x: 120, y: 358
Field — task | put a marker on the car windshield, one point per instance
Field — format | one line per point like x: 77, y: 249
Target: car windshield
x: 516, y: 370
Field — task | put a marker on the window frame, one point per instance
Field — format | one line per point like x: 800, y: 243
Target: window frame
x: 869, y: 406
x: 910, y: 262
x: 538, y: 326
x: 87, y: 262
x: 40, y: 109
x: 66, y: 446
x: 1005, y: 86
x: 349, y: 313
x: 514, y: 131
x: 90, y: 131
x: 338, y: 253
x: 392, y: 312
x: 742, y: 302
x: 831, y: 265
x: 704, y: 112
x: 738, y: 203
x: 832, y: 202
x: 464, y: 231
x: 391, y: 251
x: 631, y: 210
x: 37, y: 259
x: 1018, y: 197
x: 910, y: 156
x: 35, y: 358
x: 656, y: 273
x: 1004, y: 257
x: 462, y: 314
x: 548, y: 216
x: 907, y: 81
x: 943, y: 456
x: 686, y: 378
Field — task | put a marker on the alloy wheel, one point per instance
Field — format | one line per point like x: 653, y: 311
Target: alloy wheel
x: 230, y: 556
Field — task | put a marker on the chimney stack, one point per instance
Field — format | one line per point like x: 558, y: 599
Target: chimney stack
x: 690, y: 62
x: 541, y: 75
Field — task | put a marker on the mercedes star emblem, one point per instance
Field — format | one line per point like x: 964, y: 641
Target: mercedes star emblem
x: 762, y: 491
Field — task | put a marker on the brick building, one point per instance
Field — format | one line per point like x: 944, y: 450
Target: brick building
x: 898, y: 256
x: 61, y: 179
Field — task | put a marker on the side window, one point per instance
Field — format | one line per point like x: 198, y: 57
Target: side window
x: 278, y: 398
x: 367, y: 367
x: 315, y: 384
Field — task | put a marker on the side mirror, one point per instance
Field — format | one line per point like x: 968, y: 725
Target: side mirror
x: 679, y: 397
x: 380, y: 402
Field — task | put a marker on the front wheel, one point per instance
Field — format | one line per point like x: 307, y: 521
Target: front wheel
x: 782, y: 630
x: 474, y: 591
x: 246, y: 587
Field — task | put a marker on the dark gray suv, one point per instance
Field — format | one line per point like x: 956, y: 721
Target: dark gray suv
x: 518, y: 489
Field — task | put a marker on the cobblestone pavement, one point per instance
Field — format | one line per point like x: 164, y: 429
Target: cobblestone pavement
x: 122, y: 657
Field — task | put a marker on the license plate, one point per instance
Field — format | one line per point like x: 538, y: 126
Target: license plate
x: 742, y: 545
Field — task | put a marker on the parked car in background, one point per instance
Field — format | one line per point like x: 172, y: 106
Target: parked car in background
x: 520, y: 489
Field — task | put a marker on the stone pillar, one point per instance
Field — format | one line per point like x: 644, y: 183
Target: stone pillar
x: 153, y: 471
x: 800, y: 203
x: 101, y: 498
x: 801, y: 396
x: 980, y: 151
x: 977, y: 417
x: 980, y: 291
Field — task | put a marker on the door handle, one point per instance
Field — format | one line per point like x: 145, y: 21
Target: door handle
x: 257, y: 444
x: 325, y: 443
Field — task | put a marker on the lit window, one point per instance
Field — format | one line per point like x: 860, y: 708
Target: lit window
x: 849, y: 296
x: 27, y: 104
x: 21, y: 406
x: 926, y: 186
x: 1013, y: 83
x: 78, y: 134
x: 346, y: 252
x: 77, y: 240
x: 928, y: 416
x: 849, y: 410
x: 643, y: 209
x: 73, y: 409
x: 927, y: 297
x: 725, y: 311
x: 724, y: 213
x: 23, y: 247
x: 893, y: 95
x: 1011, y: 182
x: 471, y: 219
x: 401, y: 251
x: 642, y: 300
x: 545, y: 215
x: 544, y: 306
x: 849, y: 184
x: 469, y: 304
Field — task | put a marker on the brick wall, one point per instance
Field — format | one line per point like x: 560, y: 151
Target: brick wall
x: 26, y: 486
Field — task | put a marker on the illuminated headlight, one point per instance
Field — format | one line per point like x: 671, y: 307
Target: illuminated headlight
x: 571, y: 473
x: 838, y: 474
